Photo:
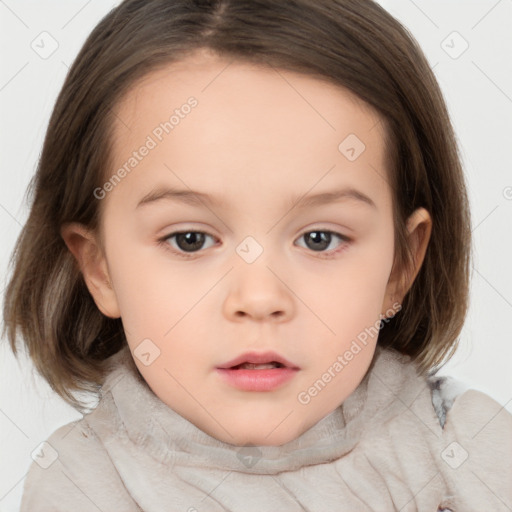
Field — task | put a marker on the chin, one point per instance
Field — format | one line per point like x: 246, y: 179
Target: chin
x: 262, y: 435
x: 261, y: 440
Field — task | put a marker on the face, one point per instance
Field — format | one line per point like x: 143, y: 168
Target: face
x: 253, y: 218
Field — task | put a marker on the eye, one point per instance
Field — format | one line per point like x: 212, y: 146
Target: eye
x: 186, y: 241
x: 319, y: 241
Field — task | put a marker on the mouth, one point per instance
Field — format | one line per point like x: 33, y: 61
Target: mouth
x: 253, y: 366
x: 258, y: 361
x: 258, y: 372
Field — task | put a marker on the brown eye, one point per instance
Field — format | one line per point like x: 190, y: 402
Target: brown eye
x: 191, y: 241
x: 320, y: 240
x: 187, y: 241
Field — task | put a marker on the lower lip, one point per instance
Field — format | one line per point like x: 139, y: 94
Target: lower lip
x: 257, y: 380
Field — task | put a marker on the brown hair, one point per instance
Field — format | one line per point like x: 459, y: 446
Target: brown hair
x: 354, y: 44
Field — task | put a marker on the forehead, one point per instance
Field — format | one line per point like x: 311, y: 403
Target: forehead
x: 252, y: 125
x: 222, y: 82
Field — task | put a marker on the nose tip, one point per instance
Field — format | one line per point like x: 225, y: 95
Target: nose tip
x: 256, y: 292
x: 272, y: 314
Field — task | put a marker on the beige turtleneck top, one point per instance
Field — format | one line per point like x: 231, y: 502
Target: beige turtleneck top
x: 396, y: 443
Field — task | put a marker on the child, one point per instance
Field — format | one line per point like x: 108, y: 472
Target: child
x: 286, y: 359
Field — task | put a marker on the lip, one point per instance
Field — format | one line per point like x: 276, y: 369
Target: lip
x: 258, y: 380
x: 258, y: 358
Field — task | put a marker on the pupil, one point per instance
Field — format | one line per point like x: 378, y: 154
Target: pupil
x: 190, y: 241
x: 319, y: 237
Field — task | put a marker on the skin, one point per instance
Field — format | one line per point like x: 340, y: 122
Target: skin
x: 257, y: 139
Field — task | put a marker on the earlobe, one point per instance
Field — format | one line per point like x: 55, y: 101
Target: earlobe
x: 90, y: 257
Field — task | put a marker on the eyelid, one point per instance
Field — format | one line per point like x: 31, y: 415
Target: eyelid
x: 164, y: 242
x: 345, y: 240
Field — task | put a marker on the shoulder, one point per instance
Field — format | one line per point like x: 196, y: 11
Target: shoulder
x: 462, y: 409
x: 72, y: 471
x: 477, y: 450
x: 444, y: 390
x: 472, y: 417
x: 477, y: 417
x: 472, y: 404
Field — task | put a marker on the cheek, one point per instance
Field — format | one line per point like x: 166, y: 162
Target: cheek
x: 157, y: 297
x: 143, y: 286
x: 350, y: 304
x: 351, y: 293
x: 155, y: 292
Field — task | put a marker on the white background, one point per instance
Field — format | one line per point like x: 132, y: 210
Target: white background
x: 478, y: 89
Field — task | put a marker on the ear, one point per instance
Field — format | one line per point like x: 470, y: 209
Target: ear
x: 419, y: 228
x: 88, y: 252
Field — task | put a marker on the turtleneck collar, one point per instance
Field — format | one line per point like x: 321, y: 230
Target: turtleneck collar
x: 173, y: 440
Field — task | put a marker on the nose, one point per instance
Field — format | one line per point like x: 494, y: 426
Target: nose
x: 258, y: 292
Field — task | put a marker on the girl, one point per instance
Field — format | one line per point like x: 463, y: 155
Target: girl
x: 252, y: 239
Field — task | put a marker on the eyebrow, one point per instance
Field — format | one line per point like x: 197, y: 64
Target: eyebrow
x: 195, y: 198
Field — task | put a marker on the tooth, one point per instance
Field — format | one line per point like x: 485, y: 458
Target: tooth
x: 252, y: 366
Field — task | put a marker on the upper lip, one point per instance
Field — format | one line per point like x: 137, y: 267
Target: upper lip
x: 259, y: 358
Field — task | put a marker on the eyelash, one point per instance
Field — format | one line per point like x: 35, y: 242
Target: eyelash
x: 322, y: 254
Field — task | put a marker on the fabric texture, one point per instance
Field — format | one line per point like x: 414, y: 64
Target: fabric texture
x: 400, y: 441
